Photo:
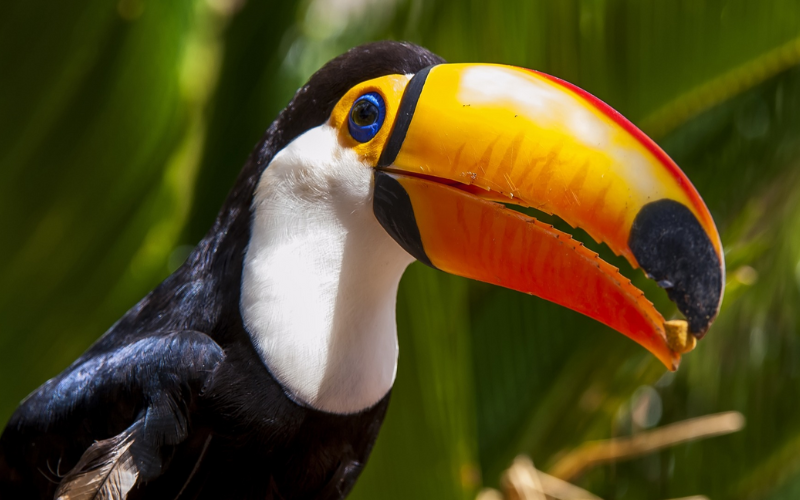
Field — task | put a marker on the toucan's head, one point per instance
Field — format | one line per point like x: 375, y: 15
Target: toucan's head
x: 434, y: 152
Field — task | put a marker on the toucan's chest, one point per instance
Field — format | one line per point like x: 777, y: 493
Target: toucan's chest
x: 261, y: 433
x: 320, y: 277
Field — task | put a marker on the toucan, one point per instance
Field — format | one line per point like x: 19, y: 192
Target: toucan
x: 262, y: 368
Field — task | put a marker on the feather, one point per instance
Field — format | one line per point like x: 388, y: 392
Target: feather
x: 106, y: 471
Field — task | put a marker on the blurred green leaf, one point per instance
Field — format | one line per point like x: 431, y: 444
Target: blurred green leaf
x: 102, y: 130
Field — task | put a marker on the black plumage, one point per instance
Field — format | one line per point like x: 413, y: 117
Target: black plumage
x: 176, y: 386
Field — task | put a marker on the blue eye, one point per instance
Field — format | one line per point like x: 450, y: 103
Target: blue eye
x: 366, y: 116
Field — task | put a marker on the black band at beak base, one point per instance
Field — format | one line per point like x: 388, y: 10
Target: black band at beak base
x: 673, y: 248
x: 404, y: 114
x: 392, y: 207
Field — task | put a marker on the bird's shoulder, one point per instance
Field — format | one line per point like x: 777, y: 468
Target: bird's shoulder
x: 139, y: 371
x: 119, y: 405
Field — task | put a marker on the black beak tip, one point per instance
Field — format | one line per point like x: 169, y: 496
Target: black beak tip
x: 673, y: 248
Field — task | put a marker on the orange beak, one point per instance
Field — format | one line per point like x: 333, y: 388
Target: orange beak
x: 468, y: 136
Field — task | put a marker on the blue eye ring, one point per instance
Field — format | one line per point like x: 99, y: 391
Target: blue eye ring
x: 366, y: 117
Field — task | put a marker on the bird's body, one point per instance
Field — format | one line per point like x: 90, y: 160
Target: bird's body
x: 240, y: 437
x: 245, y: 436
x: 263, y: 367
x: 182, y: 364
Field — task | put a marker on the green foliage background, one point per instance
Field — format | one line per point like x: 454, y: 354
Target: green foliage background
x: 123, y: 125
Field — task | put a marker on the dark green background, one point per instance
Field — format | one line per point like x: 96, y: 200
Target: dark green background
x: 123, y: 125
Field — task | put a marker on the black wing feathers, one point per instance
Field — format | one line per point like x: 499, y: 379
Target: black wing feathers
x: 123, y: 409
x: 107, y: 470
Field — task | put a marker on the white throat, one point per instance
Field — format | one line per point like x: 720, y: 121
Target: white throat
x: 320, y: 277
